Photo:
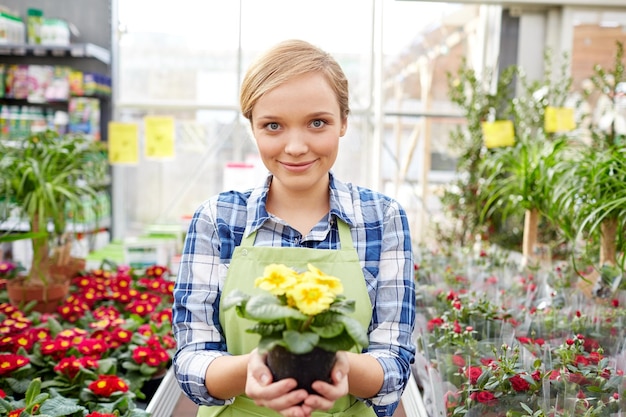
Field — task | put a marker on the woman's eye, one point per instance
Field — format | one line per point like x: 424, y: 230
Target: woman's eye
x: 318, y: 123
x: 272, y: 126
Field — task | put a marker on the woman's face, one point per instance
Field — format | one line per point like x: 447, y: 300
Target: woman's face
x: 297, y: 127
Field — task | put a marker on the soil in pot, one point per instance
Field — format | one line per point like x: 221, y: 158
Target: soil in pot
x: 306, y: 368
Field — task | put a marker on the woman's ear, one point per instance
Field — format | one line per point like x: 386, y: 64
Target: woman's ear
x: 344, y: 127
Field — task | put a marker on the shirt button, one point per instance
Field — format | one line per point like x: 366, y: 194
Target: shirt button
x: 244, y: 252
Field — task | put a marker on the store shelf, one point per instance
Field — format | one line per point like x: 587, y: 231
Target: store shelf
x: 21, y: 226
x: 78, y: 50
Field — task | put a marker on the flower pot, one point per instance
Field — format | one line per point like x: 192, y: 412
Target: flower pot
x: 305, y: 368
x: 150, y: 387
x: 48, y: 298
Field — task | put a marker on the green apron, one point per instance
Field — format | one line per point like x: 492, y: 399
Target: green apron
x: 248, y: 263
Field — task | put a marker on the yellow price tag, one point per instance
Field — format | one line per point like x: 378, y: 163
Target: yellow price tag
x: 159, y: 141
x: 559, y: 119
x: 498, y: 133
x: 123, y: 143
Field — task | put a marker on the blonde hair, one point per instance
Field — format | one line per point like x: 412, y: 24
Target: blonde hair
x: 285, y: 61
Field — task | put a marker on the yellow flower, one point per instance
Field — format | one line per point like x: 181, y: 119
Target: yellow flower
x: 311, y: 298
x: 276, y: 279
x: 319, y: 277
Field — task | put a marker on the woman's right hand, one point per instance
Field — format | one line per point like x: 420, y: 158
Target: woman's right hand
x: 280, y: 395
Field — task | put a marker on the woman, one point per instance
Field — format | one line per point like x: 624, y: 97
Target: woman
x: 296, y: 99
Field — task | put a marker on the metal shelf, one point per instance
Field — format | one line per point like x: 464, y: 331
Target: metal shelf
x: 77, y: 50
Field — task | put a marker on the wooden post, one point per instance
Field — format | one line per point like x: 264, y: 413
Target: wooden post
x: 608, y: 235
x: 531, y: 221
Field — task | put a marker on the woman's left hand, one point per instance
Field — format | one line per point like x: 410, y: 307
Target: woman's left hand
x: 329, y: 393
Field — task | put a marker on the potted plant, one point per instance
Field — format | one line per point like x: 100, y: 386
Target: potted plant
x: 593, y: 192
x: 521, y: 177
x: 302, y: 319
x: 43, y: 178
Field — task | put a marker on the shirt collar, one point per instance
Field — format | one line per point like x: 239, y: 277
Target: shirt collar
x: 340, y: 204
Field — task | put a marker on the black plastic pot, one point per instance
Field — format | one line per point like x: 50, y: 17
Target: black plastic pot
x: 306, y: 368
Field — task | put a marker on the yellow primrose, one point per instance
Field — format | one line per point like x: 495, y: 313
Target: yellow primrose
x: 276, y: 279
x: 317, y: 276
x: 311, y: 298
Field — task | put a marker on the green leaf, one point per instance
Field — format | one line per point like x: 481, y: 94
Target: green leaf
x: 54, y: 326
x: 342, y: 306
x: 329, y: 330
x: 267, y: 329
x: 355, y: 330
x: 267, y: 343
x: 300, y: 343
x: 267, y: 308
x: 341, y: 342
x: 61, y: 406
x: 235, y: 298
x: 34, y: 388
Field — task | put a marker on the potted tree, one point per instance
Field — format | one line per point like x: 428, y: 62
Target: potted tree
x: 520, y: 177
x: 43, y: 178
x: 593, y: 193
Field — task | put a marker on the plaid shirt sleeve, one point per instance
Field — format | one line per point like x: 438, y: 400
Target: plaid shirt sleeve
x: 200, y: 278
x: 384, y: 245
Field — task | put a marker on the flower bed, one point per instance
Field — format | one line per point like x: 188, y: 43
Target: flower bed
x: 498, y: 340
x: 93, y: 356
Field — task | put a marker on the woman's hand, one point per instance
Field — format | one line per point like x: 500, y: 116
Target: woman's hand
x: 275, y: 395
x: 329, y: 393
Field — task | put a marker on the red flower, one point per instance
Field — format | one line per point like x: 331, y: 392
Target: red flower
x: 458, y: 360
x: 519, y: 383
x: 16, y: 412
x: 2, y: 393
x: 96, y: 414
x: 581, y: 360
x: 10, y: 362
x: 436, y: 322
x: 484, y: 397
x: 577, y: 379
x: 457, y: 327
x: 106, y: 385
x: 473, y: 373
x: 68, y: 366
x: 92, y: 347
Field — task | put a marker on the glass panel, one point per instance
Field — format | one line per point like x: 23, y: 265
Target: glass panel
x: 182, y: 53
x: 187, y: 62
x: 594, y: 42
x: 416, y: 156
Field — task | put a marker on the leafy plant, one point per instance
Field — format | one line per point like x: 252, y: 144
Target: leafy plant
x: 43, y: 177
x: 592, y: 193
x: 479, y: 102
x: 302, y: 311
x: 519, y: 179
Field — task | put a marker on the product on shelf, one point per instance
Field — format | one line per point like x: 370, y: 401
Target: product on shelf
x: 34, y: 23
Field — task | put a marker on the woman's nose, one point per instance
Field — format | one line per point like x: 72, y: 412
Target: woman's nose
x: 296, y: 143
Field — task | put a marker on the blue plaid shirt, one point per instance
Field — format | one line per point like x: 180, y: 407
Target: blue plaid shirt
x: 381, y: 237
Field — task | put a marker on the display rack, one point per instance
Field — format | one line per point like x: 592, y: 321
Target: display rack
x: 78, y: 50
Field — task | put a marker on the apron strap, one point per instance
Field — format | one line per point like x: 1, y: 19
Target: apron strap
x: 344, y: 236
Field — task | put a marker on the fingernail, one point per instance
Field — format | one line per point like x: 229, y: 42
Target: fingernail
x: 339, y: 375
x: 265, y: 379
